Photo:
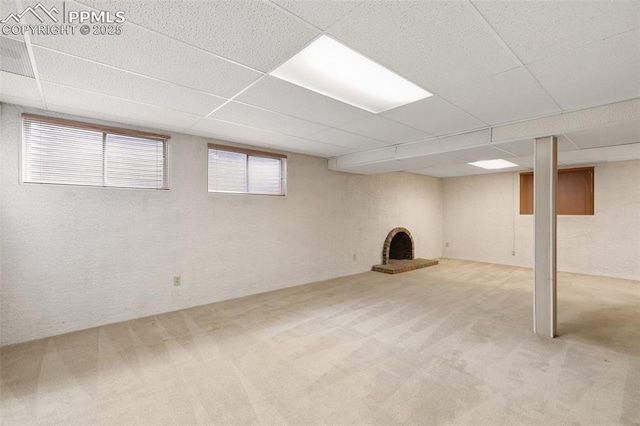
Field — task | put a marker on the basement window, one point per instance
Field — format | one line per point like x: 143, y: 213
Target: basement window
x: 245, y: 171
x: 65, y: 152
x: 575, y: 194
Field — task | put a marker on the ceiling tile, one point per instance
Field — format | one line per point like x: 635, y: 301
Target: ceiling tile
x: 309, y: 147
x: 479, y: 153
x: 346, y: 140
x: 320, y: 13
x: 597, y: 74
x: 148, y: 53
x: 434, y: 115
x: 619, y: 134
x: 267, y: 120
x: 621, y: 152
x: 525, y: 147
x: 253, y: 33
x: 378, y: 127
x: 435, y: 44
x: 278, y: 95
x: 16, y: 89
x: 558, y: 26
x: 502, y: 98
x: 90, y: 104
x: 8, y: 7
x: 211, y: 128
x: 55, y: 67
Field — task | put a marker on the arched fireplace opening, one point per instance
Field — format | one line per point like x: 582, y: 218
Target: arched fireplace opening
x: 401, y: 247
x: 398, y: 245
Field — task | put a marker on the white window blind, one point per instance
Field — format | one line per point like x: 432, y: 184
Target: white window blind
x: 227, y: 171
x: 264, y: 175
x: 59, y: 151
x: 245, y: 171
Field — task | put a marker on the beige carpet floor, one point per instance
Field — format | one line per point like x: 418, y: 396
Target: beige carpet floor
x: 449, y: 344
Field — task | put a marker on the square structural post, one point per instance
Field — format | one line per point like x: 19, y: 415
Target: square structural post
x: 545, y: 178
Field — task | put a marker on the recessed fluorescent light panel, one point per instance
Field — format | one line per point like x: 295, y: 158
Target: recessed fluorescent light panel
x: 332, y: 69
x: 493, y: 164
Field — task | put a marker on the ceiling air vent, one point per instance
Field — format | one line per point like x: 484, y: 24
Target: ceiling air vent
x: 14, y: 57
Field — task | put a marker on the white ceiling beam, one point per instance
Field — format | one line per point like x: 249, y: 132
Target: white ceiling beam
x: 365, y: 157
x: 530, y: 129
x: 569, y: 121
x: 412, y: 150
x: 443, y: 144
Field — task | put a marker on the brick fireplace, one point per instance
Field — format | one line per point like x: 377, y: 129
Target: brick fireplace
x: 398, y: 245
x: 398, y: 253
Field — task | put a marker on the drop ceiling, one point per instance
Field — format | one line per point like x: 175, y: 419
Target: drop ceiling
x: 501, y: 72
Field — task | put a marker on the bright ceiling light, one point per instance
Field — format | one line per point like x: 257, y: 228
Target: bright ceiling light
x: 332, y: 69
x: 493, y: 164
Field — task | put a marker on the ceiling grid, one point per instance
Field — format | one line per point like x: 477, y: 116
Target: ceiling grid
x: 500, y: 73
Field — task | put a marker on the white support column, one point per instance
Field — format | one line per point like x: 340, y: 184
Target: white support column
x: 545, y: 179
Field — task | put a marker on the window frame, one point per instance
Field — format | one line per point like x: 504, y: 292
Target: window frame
x: 527, y: 186
x: 105, y: 130
x: 251, y: 153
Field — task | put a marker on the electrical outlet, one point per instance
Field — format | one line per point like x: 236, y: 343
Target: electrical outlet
x: 354, y: 256
x: 177, y: 281
x: 446, y: 244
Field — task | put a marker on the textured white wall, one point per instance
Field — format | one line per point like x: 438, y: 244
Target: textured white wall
x: 482, y: 222
x: 77, y: 257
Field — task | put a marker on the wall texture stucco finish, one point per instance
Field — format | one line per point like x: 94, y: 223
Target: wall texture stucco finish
x: 77, y: 257
x: 482, y: 222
